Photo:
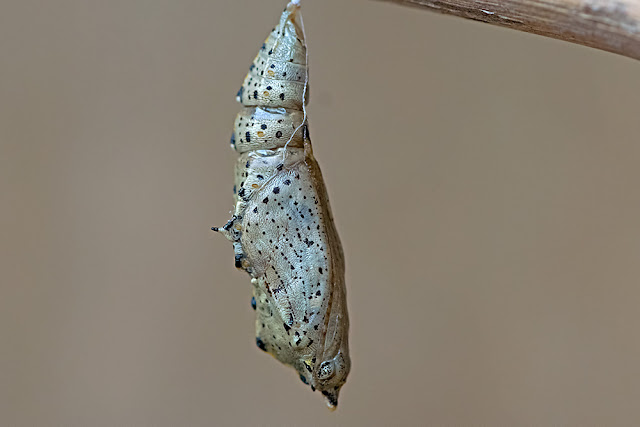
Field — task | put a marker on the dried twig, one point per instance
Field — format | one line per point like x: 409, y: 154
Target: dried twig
x: 611, y: 25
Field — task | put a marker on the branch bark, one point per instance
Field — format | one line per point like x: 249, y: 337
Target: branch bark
x: 611, y: 25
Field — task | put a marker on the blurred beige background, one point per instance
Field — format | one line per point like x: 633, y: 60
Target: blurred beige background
x: 484, y: 182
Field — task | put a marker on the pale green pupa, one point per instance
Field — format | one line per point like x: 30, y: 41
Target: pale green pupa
x: 282, y: 228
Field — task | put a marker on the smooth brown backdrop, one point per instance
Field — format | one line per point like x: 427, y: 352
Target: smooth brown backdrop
x: 484, y: 182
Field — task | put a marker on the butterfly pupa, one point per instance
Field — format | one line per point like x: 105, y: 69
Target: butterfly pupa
x: 282, y: 227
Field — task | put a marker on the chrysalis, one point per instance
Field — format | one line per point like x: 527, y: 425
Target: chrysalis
x: 282, y: 227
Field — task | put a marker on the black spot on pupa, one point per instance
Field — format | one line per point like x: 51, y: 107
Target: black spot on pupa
x: 248, y: 136
x: 286, y: 327
x: 263, y: 127
x: 280, y: 166
x: 253, y: 302
x: 233, y: 139
x: 273, y: 66
x: 287, y: 182
x: 260, y: 177
x: 265, y: 200
x: 282, y: 96
x: 276, y: 190
x: 278, y: 135
x: 269, y: 88
x: 234, y: 189
x: 320, y: 270
x: 260, y: 344
x: 255, y: 94
x: 303, y: 379
x: 238, y: 260
x: 241, y: 192
x: 255, y: 210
